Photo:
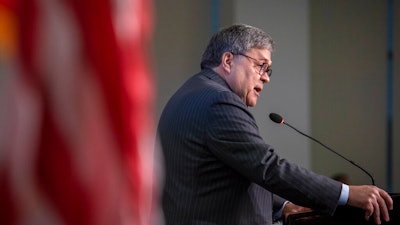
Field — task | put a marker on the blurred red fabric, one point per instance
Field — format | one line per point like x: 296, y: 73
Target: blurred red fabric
x: 77, y: 136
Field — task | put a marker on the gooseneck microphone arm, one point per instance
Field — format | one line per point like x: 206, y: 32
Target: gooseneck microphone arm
x: 278, y: 119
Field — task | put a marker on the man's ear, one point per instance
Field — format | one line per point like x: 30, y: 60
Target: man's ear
x: 226, y: 61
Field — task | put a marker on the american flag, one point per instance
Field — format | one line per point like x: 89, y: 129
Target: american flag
x: 76, y: 112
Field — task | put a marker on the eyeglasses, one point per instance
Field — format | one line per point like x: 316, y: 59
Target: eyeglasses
x: 264, y: 67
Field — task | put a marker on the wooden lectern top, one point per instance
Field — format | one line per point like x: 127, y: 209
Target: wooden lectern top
x: 344, y: 215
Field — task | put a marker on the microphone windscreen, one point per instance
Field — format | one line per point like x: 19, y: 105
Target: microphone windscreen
x: 276, y: 118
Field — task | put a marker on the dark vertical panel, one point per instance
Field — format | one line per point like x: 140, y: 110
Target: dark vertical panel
x: 389, y: 113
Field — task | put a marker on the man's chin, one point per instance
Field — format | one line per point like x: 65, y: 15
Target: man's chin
x: 252, y: 103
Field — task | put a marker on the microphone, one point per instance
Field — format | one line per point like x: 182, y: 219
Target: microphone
x: 278, y: 119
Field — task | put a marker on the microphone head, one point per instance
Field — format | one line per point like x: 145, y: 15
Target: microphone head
x: 276, y: 118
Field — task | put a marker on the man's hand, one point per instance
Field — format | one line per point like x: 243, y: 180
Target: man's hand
x: 291, y: 208
x: 373, y: 200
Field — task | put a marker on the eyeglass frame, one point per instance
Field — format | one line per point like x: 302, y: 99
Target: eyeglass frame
x: 263, y: 70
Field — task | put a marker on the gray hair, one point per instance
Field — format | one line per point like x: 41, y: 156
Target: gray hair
x: 238, y: 39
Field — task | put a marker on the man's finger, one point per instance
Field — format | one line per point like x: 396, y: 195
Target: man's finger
x: 383, y: 208
x: 377, y: 210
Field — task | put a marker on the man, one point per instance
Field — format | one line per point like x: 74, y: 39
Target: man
x: 218, y: 169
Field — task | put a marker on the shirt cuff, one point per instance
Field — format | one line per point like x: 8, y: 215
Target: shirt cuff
x: 344, y: 195
x: 278, y: 214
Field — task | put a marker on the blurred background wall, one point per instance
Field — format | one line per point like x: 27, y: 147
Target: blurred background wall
x: 330, y: 75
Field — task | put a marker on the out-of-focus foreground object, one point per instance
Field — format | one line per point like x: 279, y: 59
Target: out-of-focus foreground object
x: 76, y: 117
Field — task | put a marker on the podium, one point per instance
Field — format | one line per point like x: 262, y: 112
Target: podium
x: 344, y: 215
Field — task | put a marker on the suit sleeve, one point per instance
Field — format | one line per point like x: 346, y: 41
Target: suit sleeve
x: 233, y: 137
x: 277, y: 203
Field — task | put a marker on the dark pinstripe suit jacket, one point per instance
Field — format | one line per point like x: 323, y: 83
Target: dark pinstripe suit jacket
x: 217, y: 167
